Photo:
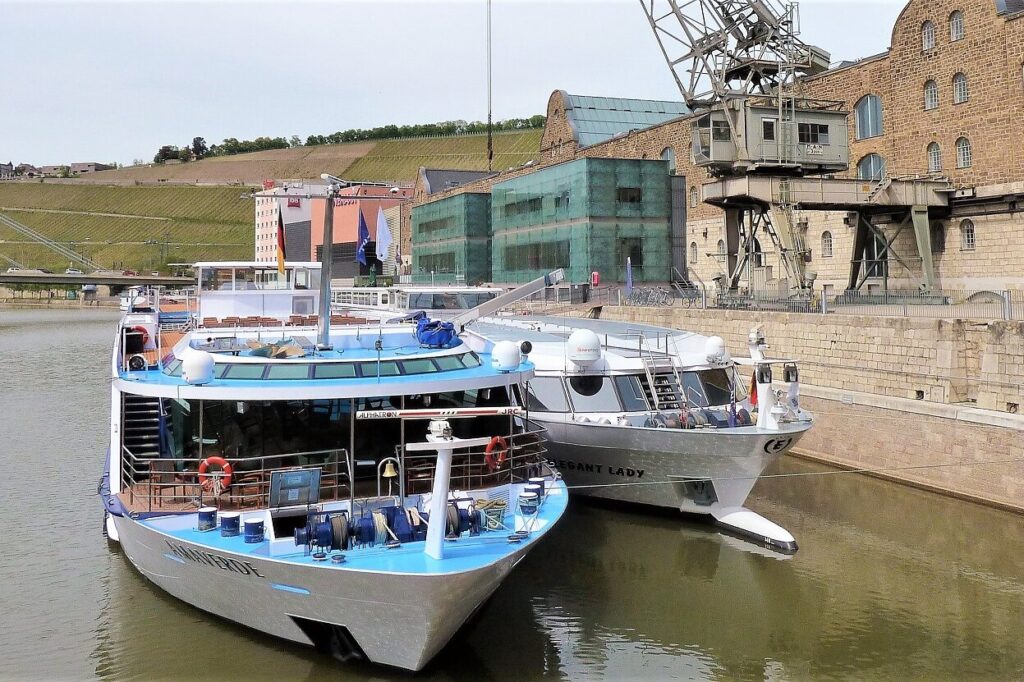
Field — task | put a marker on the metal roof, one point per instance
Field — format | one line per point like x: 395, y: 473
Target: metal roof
x: 596, y: 119
x: 1009, y: 6
x: 440, y: 179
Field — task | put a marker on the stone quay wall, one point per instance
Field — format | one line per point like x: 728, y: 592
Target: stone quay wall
x: 931, y: 403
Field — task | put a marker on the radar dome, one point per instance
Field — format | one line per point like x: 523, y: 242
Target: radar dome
x: 197, y: 367
x: 584, y: 347
x: 715, y: 350
x: 506, y: 356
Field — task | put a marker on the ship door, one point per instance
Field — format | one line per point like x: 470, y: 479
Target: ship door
x: 769, y: 138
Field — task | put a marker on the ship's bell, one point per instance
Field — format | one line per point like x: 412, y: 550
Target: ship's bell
x: 389, y: 470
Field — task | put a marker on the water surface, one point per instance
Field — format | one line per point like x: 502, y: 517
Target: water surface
x: 889, y: 583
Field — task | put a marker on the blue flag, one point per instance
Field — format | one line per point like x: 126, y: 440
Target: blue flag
x: 364, y: 239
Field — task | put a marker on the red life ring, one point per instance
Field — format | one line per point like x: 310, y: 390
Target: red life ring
x: 496, y: 453
x: 141, y: 330
x: 206, y: 480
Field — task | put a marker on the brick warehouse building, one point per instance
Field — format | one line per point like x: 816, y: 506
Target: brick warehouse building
x: 946, y: 100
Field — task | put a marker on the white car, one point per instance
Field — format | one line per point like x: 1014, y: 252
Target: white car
x: 73, y: 271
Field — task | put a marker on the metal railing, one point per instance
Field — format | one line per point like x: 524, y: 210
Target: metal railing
x: 161, y: 482
x: 470, y: 468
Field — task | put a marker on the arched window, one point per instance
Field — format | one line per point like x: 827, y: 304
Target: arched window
x: 956, y: 26
x: 693, y: 253
x: 721, y: 247
x: 934, y: 158
x: 964, y: 157
x: 927, y: 36
x: 931, y: 95
x: 668, y: 154
x: 960, y: 89
x: 869, y: 117
x: 871, y: 167
x: 693, y: 197
x: 826, y: 244
x: 967, y: 236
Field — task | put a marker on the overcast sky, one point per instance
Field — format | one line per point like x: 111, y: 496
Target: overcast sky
x: 89, y: 81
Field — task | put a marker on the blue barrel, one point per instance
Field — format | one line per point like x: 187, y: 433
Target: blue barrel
x: 229, y: 524
x: 542, y: 482
x: 528, y: 503
x: 207, y: 518
x: 538, y: 490
x: 254, y: 531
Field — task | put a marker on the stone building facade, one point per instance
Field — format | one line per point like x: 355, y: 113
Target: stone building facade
x: 950, y: 99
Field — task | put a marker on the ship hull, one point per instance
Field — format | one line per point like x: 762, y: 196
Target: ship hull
x: 394, y: 619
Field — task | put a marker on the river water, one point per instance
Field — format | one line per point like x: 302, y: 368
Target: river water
x: 889, y: 583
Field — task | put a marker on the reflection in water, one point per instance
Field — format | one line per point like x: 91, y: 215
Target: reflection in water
x: 889, y: 582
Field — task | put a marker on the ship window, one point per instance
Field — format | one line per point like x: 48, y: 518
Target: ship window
x: 219, y: 370
x: 288, y: 371
x: 448, y: 362
x: 546, y: 394
x: 334, y: 370
x: 470, y: 359
x: 173, y: 369
x: 593, y: 394
x: 631, y: 393
x: 388, y: 368
x: 246, y: 371
x: 418, y: 366
x: 693, y: 390
x: 716, y: 386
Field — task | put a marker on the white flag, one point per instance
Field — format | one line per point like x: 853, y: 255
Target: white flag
x: 383, y: 235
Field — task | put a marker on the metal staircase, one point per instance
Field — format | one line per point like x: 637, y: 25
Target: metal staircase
x: 662, y: 377
x: 141, y: 432
x: 49, y: 243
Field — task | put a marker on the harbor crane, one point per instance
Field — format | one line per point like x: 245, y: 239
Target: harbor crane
x: 738, y: 65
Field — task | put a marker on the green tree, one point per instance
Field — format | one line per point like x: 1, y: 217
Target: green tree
x: 199, y: 148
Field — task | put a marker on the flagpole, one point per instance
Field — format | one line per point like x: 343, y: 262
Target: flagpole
x: 323, y: 341
x: 490, y: 139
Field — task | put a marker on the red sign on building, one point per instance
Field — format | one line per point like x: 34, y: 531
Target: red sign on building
x: 294, y: 202
x: 268, y: 184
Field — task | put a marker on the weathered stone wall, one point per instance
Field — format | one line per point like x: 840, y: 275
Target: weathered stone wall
x: 980, y: 363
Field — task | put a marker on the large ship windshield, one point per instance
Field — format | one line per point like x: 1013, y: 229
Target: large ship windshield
x: 448, y: 300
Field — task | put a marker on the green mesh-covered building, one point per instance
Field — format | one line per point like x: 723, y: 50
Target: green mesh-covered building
x: 452, y: 238
x: 585, y: 215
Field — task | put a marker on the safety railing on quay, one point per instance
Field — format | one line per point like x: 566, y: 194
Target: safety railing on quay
x: 161, y: 482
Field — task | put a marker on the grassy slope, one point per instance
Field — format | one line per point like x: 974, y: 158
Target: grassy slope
x: 199, y: 223
x: 210, y: 223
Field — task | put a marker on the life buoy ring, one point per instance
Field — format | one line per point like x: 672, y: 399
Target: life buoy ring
x: 207, y: 480
x: 496, y: 453
x: 141, y: 330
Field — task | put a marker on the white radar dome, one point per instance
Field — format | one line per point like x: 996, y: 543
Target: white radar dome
x: 715, y: 350
x: 506, y: 356
x: 584, y: 347
x: 197, y: 367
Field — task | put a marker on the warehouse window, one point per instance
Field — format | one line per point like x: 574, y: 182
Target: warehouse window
x: 826, y: 244
x: 693, y: 253
x: 931, y: 95
x: 869, y: 117
x: 956, y: 26
x: 631, y: 248
x: 693, y: 197
x: 927, y: 36
x: 934, y: 158
x: 967, y: 236
x: 768, y: 129
x: 721, y: 247
x: 964, y: 157
x: 629, y: 195
x: 960, y: 89
x: 668, y: 154
x: 871, y: 167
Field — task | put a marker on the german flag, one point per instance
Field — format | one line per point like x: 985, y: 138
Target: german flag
x: 280, y: 239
